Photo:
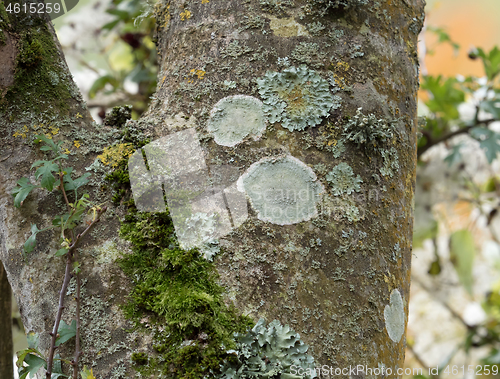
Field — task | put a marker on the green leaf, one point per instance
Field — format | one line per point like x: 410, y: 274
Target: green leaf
x: 20, y: 193
x: 34, y: 363
x: 45, y: 172
x: 30, y: 243
x: 73, y: 184
x: 66, y: 332
x: 491, y: 61
x: 33, y: 340
x: 462, y: 251
x: 57, y: 368
x: 488, y: 141
x: 110, y: 25
x: 454, y: 156
x: 50, y: 145
x: 444, y: 37
x: 61, y: 252
x: 87, y: 374
x: 101, y: 82
x: 492, y: 106
x: 445, y: 96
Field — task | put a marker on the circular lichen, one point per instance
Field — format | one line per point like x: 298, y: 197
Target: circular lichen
x: 298, y: 97
x: 342, y: 180
x: 282, y: 190
x: 234, y: 118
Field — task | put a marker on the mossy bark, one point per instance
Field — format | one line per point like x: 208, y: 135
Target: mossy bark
x: 333, y: 277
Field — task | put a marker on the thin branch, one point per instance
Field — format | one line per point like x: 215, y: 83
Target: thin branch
x: 431, y: 142
x: 63, y: 191
x: 62, y: 293
x: 77, y: 342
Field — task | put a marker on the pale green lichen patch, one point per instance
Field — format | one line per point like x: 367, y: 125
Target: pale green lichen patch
x: 107, y: 253
x: 287, y: 27
x: 343, y: 181
x: 272, y: 351
x: 282, y: 190
x: 234, y: 118
x: 298, y: 97
x: 394, y: 315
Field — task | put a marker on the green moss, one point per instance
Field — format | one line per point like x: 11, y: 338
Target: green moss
x: 118, y: 116
x: 35, y: 90
x: 4, y: 21
x: 176, y: 291
x: 139, y: 358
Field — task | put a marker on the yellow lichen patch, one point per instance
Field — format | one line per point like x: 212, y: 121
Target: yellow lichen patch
x: 204, y: 1
x: 78, y: 115
x: 54, y: 130
x: 114, y: 154
x: 185, y: 15
x: 21, y: 133
x: 77, y: 144
x: 199, y: 73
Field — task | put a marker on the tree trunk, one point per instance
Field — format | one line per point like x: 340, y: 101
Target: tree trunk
x: 6, y: 344
x: 306, y: 107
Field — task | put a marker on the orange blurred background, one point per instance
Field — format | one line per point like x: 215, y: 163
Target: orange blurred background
x: 468, y: 23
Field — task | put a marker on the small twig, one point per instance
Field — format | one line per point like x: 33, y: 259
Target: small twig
x: 77, y: 342
x: 63, y: 191
x: 67, y: 277
x: 62, y: 293
x: 466, y: 129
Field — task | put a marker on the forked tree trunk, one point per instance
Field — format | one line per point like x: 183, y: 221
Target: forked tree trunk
x: 307, y: 107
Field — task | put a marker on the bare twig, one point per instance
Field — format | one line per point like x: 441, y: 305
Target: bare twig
x: 77, y: 342
x: 62, y: 293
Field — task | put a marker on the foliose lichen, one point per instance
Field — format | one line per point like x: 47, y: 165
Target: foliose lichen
x: 282, y: 190
x: 234, y: 118
x: 298, y: 97
x: 343, y: 181
x: 274, y: 351
x: 368, y: 131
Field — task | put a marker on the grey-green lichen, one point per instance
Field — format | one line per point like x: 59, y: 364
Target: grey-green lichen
x: 368, y: 131
x: 298, y: 97
x: 391, y: 162
x: 343, y: 181
x: 274, y: 351
x: 199, y: 231
x: 309, y: 53
x: 234, y: 118
x: 282, y: 190
x: 394, y: 315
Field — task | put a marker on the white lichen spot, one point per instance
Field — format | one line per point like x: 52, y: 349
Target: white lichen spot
x: 234, y: 118
x: 282, y: 190
x: 394, y: 315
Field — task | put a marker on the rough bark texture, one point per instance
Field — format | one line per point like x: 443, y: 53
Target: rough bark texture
x: 6, y: 344
x: 341, y: 275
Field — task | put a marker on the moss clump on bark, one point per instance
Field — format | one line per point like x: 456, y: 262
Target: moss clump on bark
x: 40, y: 86
x: 176, y: 296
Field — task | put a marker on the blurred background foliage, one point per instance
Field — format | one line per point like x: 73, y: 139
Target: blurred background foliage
x: 454, y: 318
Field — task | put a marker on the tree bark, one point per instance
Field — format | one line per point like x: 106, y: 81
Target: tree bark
x: 293, y: 75
x: 6, y: 344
